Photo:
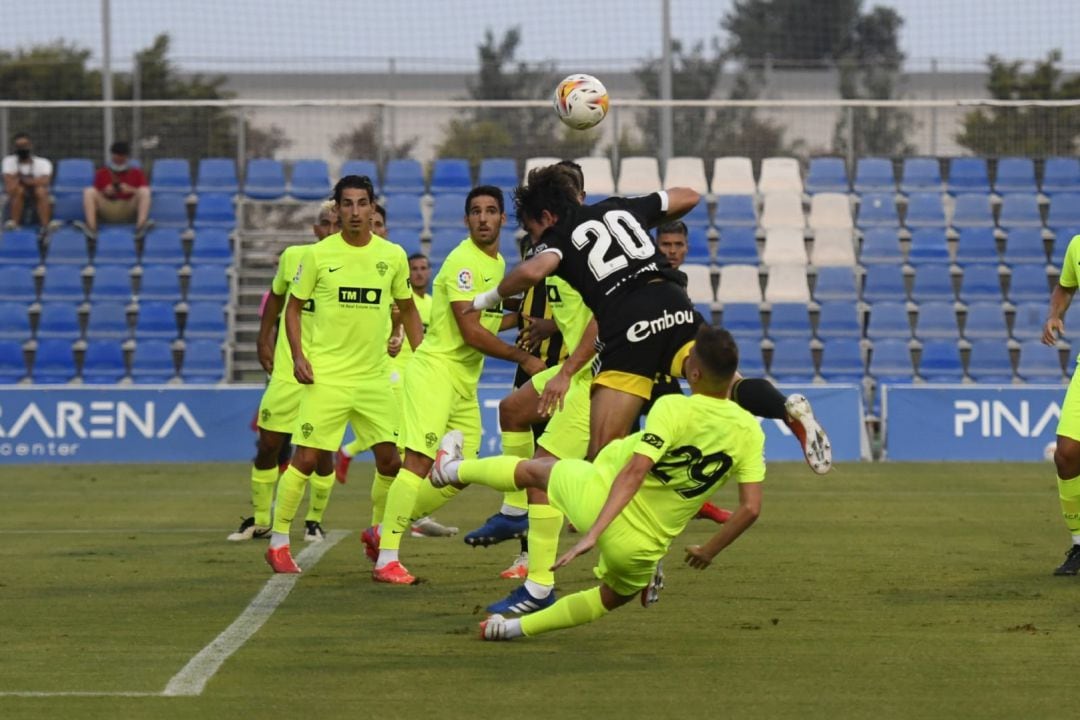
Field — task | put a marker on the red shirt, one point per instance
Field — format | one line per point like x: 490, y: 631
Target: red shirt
x: 105, y: 176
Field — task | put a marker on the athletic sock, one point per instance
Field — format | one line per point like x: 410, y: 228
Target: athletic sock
x: 262, y: 493
x: 520, y: 444
x: 399, y: 505
x: 290, y: 492
x: 577, y: 609
x: 759, y: 397
x: 353, y: 448
x: 1069, y: 492
x: 430, y: 498
x: 380, y: 486
x: 545, y: 522
x: 321, y: 485
x: 495, y: 472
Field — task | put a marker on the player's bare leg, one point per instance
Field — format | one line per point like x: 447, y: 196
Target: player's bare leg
x: 611, y: 415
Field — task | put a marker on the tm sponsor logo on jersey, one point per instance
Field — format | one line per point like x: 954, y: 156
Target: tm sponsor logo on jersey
x: 359, y: 296
x: 642, y: 329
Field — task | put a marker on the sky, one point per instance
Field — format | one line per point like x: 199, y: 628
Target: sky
x: 443, y: 34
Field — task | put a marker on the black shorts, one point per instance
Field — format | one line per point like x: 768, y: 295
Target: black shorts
x: 645, y: 334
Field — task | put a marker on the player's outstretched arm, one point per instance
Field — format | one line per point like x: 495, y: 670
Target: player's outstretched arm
x: 1060, y: 299
x: 410, y: 319
x: 700, y: 556
x: 480, y: 338
x: 268, y: 321
x: 301, y: 367
x: 520, y: 279
x: 681, y: 200
x: 623, y: 488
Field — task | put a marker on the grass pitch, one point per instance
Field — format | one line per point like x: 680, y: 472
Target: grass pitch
x: 888, y: 590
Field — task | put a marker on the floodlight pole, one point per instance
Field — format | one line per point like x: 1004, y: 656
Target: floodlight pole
x: 665, y: 82
x: 106, y: 74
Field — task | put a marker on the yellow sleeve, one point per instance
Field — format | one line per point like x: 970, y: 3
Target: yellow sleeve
x: 460, y: 278
x: 750, y: 460
x: 400, y: 288
x: 1069, y: 265
x: 307, y: 271
x: 282, y: 278
x: 663, y: 426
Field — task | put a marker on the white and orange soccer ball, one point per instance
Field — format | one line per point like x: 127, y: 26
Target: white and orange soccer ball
x: 581, y: 101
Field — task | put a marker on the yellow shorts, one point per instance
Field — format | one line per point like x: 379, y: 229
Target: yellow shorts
x: 628, y: 557
x: 1069, y: 422
x: 567, y: 433
x: 431, y: 406
x: 370, y: 408
x: 279, y: 405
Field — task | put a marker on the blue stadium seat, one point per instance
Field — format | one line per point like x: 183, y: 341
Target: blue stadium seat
x: 108, y: 321
x: 103, y: 363
x: 17, y: 284
x: 59, y: 320
x: 205, y: 320
x: 509, y: 247
x: 170, y: 175
x: 115, y: 245
x: 366, y: 168
x: 890, y: 361
x: 789, y: 320
x: 792, y: 361
x: 743, y: 320
x: 111, y: 283
x: 68, y: 206
x: 54, y: 362
x: 697, y: 246
x: 1028, y: 283
x: 874, y: 175
x: 410, y: 242
x: 14, y: 321
x: 1064, y: 211
x: 751, y: 362
x: 264, y: 179
x: 1061, y: 174
x: 310, y: 180
x: 1028, y: 320
x: 888, y: 320
x: 932, y: 282
x: 980, y: 283
x: 696, y: 219
x: 203, y: 362
x: 404, y: 212
x: 884, y: 283
x: 737, y: 245
x: 928, y: 246
x: 976, y: 245
x: 877, y: 210
x: 73, y: 175
x: 62, y: 282
x: 152, y: 362
x: 969, y: 175
x: 12, y: 362
x: 989, y: 362
x: 450, y: 175
x: 1025, y: 245
x: 925, y: 209
x: 404, y: 175
x: 836, y: 283
x: 735, y: 211
x: 936, y: 320
x: 19, y: 247
x: 156, y: 320
x: 881, y: 246
x: 500, y: 172
x: 215, y: 210
x: 827, y: 174
x: 443, y: 241
x: 1019, y: 210
x: 164, y: 246
x: 1039, y: 363
x: 985, y: 321
x: 842, y: 361
x: 972, y: 210
x: 217, y: 175
x: 1015, y: 174
x: 159, y: 282
x: 208, y: 282
x: 169, y: 210
x: 448, y: 210
x: 920, y: 174
x: 838, y: 319
x: 211, y: 246
x: 67, y: 246
x: 940, y: 362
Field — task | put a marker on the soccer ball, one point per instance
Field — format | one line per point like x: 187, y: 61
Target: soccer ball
x: 581, y: 101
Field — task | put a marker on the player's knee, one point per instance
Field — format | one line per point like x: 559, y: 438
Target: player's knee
x: 511, y: 415
x: 1067, y: 459
x: 387, y: 463
x: 325, y: 463
x: 304, y: 459
x: 267, y: 450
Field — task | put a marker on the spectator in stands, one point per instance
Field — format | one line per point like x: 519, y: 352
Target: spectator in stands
x: 673, y: 240
x: 120, y: 194
x: 26, y: 178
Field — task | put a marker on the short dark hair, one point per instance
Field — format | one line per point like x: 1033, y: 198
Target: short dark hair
x: 418, y: 256
x: 675, y: 227
x: 485, y: 191
x: 381, y: 210
x: 552, y: 188
x: 718, y: 352
x: 19, y: 136
x: 358, y: 182
x: 576, y: 171
x: 120, y: 147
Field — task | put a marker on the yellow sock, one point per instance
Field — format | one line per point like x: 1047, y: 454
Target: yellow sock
x: 545, y: 522
x: 430, y: 498
x: 577, y: 609
x: 321, y: 485
x: 262, y: 493
x: 399, y: 505
x: 354, y: 448
x: 518, y: 444
x: 289, y: 494
x: 495, y: 472
x: 380, y: 487
x: 1069, y: 492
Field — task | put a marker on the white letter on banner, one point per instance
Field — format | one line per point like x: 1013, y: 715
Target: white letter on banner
x: 181, y: 412
x: 1053, y: 412
x: 69, y: 413
x: 1001, y: 411
x: 31, y: 413
x: 972, y: 412
x: 145, y: 425
x: 985, y: 406
x: 101, y: 413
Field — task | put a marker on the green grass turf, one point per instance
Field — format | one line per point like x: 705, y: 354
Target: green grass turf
x: 886, y: 591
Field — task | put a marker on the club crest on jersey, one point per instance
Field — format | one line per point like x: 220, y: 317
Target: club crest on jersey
x: 655, y: 440
x: 306, y: 429
x: 265, y: 414
x: 464, y: 280
x: 381, y: 268
x: 431, y: 439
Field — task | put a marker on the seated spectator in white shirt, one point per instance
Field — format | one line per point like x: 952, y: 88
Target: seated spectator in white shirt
x: 26, y: 178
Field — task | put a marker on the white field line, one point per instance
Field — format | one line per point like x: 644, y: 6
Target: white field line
x: 111, y: 531
x: 192, y: 679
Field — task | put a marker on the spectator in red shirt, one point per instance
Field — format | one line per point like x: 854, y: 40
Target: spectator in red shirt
x: 120, y: 193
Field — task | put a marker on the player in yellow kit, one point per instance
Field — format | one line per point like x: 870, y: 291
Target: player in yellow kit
x: 640, y: 492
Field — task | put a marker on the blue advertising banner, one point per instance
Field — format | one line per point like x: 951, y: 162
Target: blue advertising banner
x: 970, y: 422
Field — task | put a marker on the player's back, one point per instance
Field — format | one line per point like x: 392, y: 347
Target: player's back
x: 288, y: 263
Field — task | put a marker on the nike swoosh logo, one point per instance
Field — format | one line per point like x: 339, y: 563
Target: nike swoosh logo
x: 395, y: 532
x: 487, y: 279
x: 337, y: 268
